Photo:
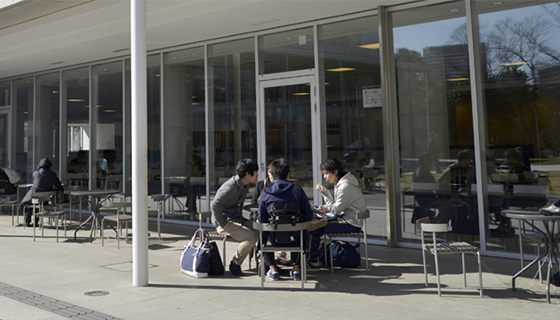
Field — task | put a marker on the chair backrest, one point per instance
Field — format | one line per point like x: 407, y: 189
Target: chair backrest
x: 530, y: 189
x: 497, y: 177
x: 203, y: 216
x: 496, y: 189
x: 40, y: 197
x: 113, y: 181
x: 281, y: 227
x: 158, y: 197
x: 434, y: 227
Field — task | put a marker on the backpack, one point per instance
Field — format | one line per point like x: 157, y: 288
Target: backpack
x: 13, y: 176
x: 283, y: 213
x: 345, y: 255
x: 5, y: 183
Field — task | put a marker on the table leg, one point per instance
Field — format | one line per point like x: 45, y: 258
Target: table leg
x: 80, y: 226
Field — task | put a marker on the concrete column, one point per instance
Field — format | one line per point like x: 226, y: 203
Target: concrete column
x: 139, y: 124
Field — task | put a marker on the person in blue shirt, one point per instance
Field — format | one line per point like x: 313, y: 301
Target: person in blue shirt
x: 282, y: 190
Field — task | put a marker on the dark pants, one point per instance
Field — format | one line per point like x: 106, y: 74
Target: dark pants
x: 336, y: 225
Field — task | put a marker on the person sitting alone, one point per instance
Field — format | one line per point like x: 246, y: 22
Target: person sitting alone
x: 346, y: 202
x: 280, y: 190
x: 43, y: 180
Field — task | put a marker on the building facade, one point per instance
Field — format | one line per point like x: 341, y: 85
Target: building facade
x: 378, y: 86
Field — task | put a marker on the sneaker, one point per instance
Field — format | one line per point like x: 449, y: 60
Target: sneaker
x: 272, y: 275
x: 296, y: 275
x: 317, y: 223
x: 314, y: 265
x: 235, y: 269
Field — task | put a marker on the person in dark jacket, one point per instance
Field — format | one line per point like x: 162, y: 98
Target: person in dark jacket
x: 43, y: 180
x: 281, y: 190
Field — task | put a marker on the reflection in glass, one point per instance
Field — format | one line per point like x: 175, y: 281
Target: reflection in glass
x: 154, y: 124
x: 286, y: 51
x: 75, y: 99
x: 287, y: 113
x: 232, y: 107
x: 435, y: 118
x: 23, y: 109
x: 47, y: 119
x: 350, y: 77
x: 108, y: 99
x: 184, y: 131
x: 521, y: 50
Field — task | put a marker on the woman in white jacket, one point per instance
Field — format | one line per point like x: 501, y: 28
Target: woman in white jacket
x: 346, y: 202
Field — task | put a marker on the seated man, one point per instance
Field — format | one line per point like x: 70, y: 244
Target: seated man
x: 347, y: 201
x: 281, y: 190
x: 227, y: 212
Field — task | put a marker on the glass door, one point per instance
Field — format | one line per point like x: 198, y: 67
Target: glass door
x: 288, y: 129
x: 4, y: 138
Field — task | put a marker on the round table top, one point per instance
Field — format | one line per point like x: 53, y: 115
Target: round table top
x: 96, y: 192
x: 527, y: 215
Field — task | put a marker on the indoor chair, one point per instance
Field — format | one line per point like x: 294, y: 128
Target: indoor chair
x: 328, y: 238
x: 444, y: 247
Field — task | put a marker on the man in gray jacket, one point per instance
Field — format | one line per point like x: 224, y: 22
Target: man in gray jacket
x: 227, y: 214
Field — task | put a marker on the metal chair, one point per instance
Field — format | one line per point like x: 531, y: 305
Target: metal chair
x: 267, y: 227
x: 43, y: 209
x: 160, y: 200
x: 328, y: 237
x: 443, y: 247
x: 119, y: 219
x: 11, y: 203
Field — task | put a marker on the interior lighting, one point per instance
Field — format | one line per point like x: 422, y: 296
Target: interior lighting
x: 109, y: 110
x: 342, y: 69
x: 459, y: 79
x: 301, y: 94
x: 514, y: 63
x: 55, y: 91
x: 76, y: 100
x: 370, y: 46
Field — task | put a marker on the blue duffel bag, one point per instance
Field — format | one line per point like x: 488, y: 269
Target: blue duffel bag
x: 345, y: 255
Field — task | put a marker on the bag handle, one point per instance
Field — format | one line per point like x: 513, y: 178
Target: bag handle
x: 203, y: 240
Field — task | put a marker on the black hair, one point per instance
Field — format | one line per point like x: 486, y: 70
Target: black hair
x: 246, y: 166
x: 464, y: 154
x: 331, y: 165
x: 45, y: 163
x: 279, y: 169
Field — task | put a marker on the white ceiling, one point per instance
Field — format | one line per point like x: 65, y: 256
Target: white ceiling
x: 37, y: 35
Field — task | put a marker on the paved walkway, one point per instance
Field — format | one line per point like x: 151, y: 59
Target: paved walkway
x: 48, y: 280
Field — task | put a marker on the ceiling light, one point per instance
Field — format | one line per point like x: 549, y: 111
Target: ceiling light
x: 370, y: 46
x: 459, y: 79
x: 301, y: 94
x: 157, y: 75
x: 514, y: 63
x: 109, y: 110
x: 99, y: 106
x: 341, y: 69
x: 76, y: 100
x: 55, y: 91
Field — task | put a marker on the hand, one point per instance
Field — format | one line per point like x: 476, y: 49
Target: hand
x: 321, y: 188
x: 321, y: 209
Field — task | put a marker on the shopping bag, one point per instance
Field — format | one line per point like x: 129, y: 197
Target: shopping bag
x: 195, y: 261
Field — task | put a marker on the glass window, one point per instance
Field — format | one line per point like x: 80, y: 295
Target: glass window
x: 232, y: 106
x: 23, y: 121
x: 108, y: 101
x: 154, y: 124
x: 520, y: 58
x: 184, y: 131
x: 286, y: 51
x: 5, y: 93
x: 75, y: 100
x: 47, y: 119
x: 435, y: 118
x: 349, y: 78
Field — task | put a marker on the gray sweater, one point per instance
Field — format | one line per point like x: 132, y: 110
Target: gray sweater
x: 228, y: 202
x: 347, y: 201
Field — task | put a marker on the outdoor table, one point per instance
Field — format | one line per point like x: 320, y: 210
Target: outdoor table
x: 550, y: 240
x: 95, y: 198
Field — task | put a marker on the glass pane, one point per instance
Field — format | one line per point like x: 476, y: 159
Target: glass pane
x: 232, y: 106
x: 47, y: 119
x: 154, y: 124
x: 75, y: 99
x: 4, y: 136
x: 5, y: 93
x: 23, y: 108
x: 108, y: 95
x: 435, y: 119
x: 287, y: 126
x: 184, y: 131
x: 350, y: 73
x: 286, y: 51
x: 520, y: 56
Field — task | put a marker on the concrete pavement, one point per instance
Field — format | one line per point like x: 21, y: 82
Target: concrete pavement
x: 48, y: 280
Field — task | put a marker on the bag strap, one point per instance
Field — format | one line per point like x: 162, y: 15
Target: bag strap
x: 203, y: 240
